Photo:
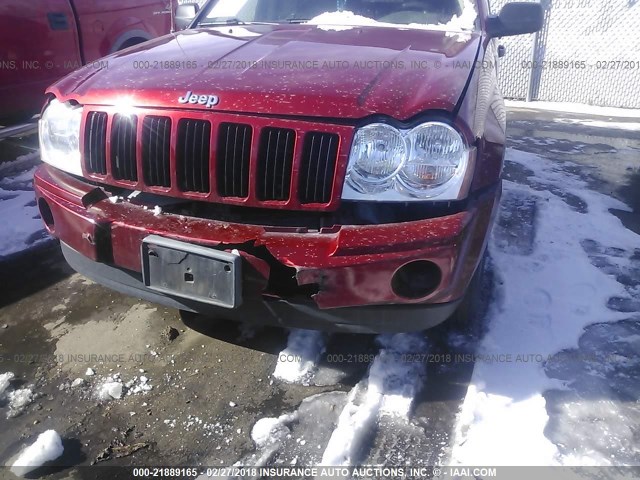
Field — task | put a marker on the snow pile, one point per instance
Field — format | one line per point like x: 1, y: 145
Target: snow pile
x: 344, y: 423
x: 575, y: 108
x: 110, y: 391
x: 296, y: 437
x: 392, y: 384
x: 5, y: 379
x: 113, y: 388
x: 550, y: 294
x: 345, y: 20
x: 78, y: 382
x: 395, y: 376
x: 22, y: 226
x: 270, y: 430
x: 138, y: 385
x: 46, y: 448
x: 588, y: 122
x: 297, y: 362
x: 465, y: 21
x: 19, y: 400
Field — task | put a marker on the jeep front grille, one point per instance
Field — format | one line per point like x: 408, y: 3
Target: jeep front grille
x: 275, y: 162
x: 218, y: 157
x: 123, y: 148
x: 318, y: 162
x: 95, y: 143
x: 234, y: 149
x: 192, y: 155
x: 156, y: 150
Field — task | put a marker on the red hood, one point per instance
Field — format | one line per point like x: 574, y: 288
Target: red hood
x: 424, y: 70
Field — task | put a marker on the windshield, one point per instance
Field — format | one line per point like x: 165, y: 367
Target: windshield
x: 454, y: 14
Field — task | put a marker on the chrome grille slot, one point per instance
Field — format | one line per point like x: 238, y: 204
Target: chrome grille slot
x: 123, y: 148
x: 233, y: 156
x: 156, y: 150
x: 95, y: 143
x: 275, y: 162
x: 317, y: 169
x: 193, y: 153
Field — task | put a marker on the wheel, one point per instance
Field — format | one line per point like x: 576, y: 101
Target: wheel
x: 131, y: 42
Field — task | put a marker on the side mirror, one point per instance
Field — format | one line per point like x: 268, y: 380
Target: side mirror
x: 516, y: 18
x: 185, y: 14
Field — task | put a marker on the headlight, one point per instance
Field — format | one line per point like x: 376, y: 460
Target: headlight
x: 427, y: 162
x: 59, y: 132
x: 377, y: 155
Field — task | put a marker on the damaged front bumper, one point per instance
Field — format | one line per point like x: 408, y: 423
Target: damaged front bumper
x: 347, y: 277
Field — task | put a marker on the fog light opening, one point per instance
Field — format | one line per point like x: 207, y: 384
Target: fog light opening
x: 46, y: 214
x: 416, y: 279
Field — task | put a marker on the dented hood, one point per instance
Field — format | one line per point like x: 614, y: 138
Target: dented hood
x: 300, y: 70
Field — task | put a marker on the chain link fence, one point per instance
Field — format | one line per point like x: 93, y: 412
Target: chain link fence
x: 588, y: 52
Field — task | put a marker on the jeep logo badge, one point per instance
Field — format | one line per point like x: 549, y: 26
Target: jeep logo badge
x: 191, y: 98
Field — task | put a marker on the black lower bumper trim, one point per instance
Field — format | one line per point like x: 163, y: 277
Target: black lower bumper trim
x: 366, y: 319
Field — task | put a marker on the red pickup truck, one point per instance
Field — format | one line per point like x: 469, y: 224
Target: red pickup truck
x: 331, y: 165
x: 43, y: 41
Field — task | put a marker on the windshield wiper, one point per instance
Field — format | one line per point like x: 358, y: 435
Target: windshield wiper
x: 298, y: 20
x: 228, y: 21
x: 232, y: 22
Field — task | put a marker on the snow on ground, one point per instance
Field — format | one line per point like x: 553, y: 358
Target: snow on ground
x: 549, y: 294
x: 576, y: 108
x: 19, y: 400
x: 46, y: 448
x: 333, y: 428
x: 588, y: 122
x: 546, y: 252
x: 297, y: 362
x: 113, y: 388
x: 22, y: 226
x: 390, y: 388
x: 15, y: 400
x: 5, y: 378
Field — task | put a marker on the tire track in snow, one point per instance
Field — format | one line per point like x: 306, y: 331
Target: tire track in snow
x: 336, y: 428
x: 298, y: 362
x: 389, y: 390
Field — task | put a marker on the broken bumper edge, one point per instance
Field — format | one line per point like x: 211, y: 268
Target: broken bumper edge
x: 280, y: 313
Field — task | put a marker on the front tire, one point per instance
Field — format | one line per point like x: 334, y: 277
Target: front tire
x: 469, y: 316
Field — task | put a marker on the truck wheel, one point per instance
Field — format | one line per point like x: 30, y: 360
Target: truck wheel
x: 468, y: 318
x: 131, y: 42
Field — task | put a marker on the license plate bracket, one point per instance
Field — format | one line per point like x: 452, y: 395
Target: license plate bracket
x: 191, y: 271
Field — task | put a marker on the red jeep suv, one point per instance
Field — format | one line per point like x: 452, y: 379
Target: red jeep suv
x: 329, y: 165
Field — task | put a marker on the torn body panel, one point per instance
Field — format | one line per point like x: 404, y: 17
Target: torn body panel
x: 343, y: 266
